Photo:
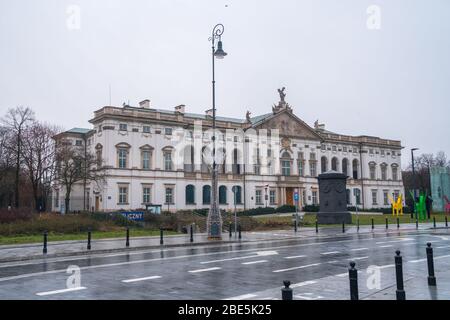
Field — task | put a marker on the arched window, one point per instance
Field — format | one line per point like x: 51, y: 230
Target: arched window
x: 345, y: 166
x: 355, y: 168
x: 324, y: 164
x: 237, y: 194
x: 222, y: 195
x: 206, y: 194
x: 190, y: 194
x: 334, y: 164
x: 373, y: 170
x: 285, y: 164
x: 383, y: 168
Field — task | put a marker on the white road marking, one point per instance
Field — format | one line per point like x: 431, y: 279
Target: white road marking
x: 46, y: 293
x: 418, y: 260
x: 425, y: 259
x: 254, y: 262
x: 333, y: 261
x: 386, y: 266
x: 242, y: 297
x: 442, y: 247
x: 331, y: 252
x: 386, y: 246
x: 302, y: 284
x: 258, y: 254
x: 395, y: 241
x: 358, y: 258
x: 341, y: 274
x: 299, y: 267
x: 359, y: 249
x: 204, y: 270
x: 141, y: 279
x: 308, y: 296
x: 295, y: 257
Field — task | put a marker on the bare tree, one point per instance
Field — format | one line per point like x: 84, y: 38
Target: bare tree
x: 38, y: 153
x: 74, y: 165
x: 16, y: 122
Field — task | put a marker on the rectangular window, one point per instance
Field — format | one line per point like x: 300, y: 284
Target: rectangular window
x: 382, y: 152
x: 334, y: 148
x: 370, y: 151
x: 272, y: 197
x: 374, y: 197
x: 123, y: 127
x: 168, y: 131
x: 385, y: 197
x: 258, y: 197
x: 323, y: 147
x: 313, y: 168
x: 145, y: 160
x: 146, y: 129
x: 123, y: 195
x: 167, y: 161
x: 169, y: 195
x: 146, y: 195
x: 122, y: 158
x: 344, y: 149
x: 78, y: 143
x: 314, y: 198
x: 394, y: 173
x: 300, y: 168
x: 286, y: 168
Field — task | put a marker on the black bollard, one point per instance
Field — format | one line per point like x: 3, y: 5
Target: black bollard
x: 357, y: 225
x: 89, y: 240
x: 431, y: 277
x: 230, y: 231
x: 353, y: 276
x: 399, y: 275
x: 239, y: 232
x: 161, y: 236
x: 446, y: 222
x: 417, y: 224
x: 343, y: 227
x: 373, y: 225
x: 398, y: 223
x: 387, y: 224
x: 192, y: 234
x: 317, y: 226
x: 295, y: 225
x: 434, y: 222
x: 286, y: 292
x: 44, y: 250
x: 127, y: 240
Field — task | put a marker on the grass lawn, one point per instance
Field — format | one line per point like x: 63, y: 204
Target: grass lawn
x: 309, y: 220
x: 80, y: 236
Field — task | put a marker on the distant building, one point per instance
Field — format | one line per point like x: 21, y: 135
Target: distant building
x: 138, y: 149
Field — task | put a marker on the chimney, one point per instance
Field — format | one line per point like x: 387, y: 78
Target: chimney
x: 145, y: 104
x: 180, y: 108
x: 209, y: 112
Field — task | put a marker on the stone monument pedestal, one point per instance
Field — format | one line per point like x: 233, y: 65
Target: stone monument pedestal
x: 333, y: 199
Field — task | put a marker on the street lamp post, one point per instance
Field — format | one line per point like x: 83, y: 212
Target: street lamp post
x: 214, y: 221
x: 414, y: 179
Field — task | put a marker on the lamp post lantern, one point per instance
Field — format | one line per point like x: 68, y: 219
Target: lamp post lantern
x: 214, y: 220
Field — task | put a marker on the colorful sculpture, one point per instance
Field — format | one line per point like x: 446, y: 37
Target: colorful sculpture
x: 420, y: 207
x: 447, y: 205
x: 397, y: 206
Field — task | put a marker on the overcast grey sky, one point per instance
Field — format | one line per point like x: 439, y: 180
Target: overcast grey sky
x: 391, y: 82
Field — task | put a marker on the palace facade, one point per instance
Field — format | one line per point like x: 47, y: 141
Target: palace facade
x: 264, y: 160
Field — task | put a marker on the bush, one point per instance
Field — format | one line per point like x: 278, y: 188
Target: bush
x: 21, y: 214
x: 257, y: 211
x: 311, y: 208
x: 285, y: 208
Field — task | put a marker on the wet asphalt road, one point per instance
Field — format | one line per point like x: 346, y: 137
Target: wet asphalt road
x: 239, y: 271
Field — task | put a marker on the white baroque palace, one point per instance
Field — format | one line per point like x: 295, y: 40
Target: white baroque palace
x: 153, y: 157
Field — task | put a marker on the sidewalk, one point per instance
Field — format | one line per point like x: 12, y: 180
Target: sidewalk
x: 9, y: 253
